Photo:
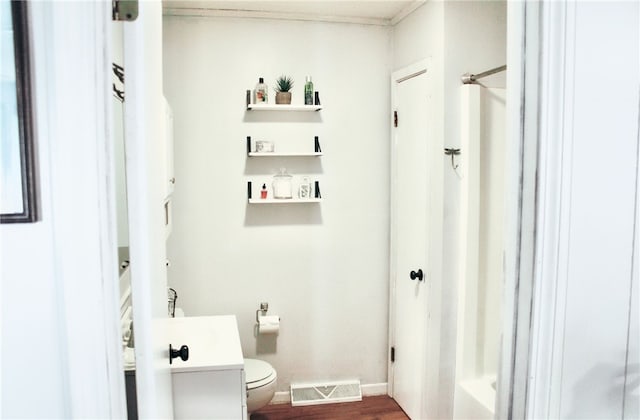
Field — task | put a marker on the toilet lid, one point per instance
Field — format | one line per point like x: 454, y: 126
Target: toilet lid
x: 257, y: 370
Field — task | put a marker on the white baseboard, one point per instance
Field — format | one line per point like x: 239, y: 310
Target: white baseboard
x: 368, y: 390
x: 281, y: 397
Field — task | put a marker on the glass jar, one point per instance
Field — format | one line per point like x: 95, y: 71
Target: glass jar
x: 282, y: 185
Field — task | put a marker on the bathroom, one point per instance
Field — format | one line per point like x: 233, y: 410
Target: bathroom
x: 324, y: 268
x: 317, y: 272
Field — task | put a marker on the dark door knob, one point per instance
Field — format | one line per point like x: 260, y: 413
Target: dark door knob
x: 183, y: 353
x: 416, y: 275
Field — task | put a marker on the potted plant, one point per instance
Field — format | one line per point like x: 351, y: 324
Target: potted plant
x: 283, y: 90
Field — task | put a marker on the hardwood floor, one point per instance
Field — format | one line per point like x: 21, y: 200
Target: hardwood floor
x: 370, y: 408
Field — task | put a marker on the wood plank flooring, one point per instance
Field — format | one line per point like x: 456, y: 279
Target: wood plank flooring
x: 370, y: 408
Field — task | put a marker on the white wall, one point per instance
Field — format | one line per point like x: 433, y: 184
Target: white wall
x: 600, y: 260
x: 322, y: 268
x: 29, y: 295
x: 420, y: 35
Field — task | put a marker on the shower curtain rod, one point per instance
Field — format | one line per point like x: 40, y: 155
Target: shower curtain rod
x: 468, y: 79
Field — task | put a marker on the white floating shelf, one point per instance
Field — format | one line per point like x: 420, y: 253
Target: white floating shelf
x: 270, y: 107
x: 284, y: 200
x: 274, y: 154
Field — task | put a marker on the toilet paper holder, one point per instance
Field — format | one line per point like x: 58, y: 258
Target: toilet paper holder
x: 266, y: 324
x: 264, y: 307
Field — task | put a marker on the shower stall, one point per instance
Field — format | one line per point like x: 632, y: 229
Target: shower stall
x: 480, y: 288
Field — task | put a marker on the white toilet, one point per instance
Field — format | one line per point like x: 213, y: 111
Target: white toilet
x: 261, y: 381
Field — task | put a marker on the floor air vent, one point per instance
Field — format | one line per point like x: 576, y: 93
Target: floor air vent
x: 325, y: 393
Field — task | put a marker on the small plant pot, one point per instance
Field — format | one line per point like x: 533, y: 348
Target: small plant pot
x: 283, y: 98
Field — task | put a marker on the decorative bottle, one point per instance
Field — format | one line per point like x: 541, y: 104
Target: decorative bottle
x: 261, y: 92
x: 304, y: 190
x: 308, y: 91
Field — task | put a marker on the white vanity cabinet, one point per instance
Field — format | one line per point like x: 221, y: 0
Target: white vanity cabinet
x: 211, y: 383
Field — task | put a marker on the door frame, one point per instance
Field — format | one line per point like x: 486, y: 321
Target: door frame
x: 405, y: 73
x: 144, y: 107
x: 72, y: 78
x: 523, y: 62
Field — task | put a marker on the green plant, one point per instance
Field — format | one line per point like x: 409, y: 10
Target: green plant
x: 284, y: 84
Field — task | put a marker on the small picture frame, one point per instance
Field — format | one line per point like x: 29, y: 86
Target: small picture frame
x: 264, y: 146
x: 18, y: 188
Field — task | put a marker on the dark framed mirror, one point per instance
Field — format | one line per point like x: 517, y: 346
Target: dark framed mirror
x: 18, y: 197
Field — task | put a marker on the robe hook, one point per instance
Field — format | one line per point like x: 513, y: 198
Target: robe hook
x: 453, y: 153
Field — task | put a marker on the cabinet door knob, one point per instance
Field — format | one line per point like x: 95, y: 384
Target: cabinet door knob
x: 183, y: 353
x: 416, y: 275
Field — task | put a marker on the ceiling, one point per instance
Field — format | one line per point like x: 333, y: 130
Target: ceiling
x: 384, y: 11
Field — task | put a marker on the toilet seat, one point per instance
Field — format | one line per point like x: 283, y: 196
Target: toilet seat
x: 258, y: 373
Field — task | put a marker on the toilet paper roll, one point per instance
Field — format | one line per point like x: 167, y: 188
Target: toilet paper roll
x: 269, y: 324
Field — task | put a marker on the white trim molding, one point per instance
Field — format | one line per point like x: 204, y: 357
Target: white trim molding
x: 304, y: 17
x: 259, y: 14
x: 281, y: 397
x: 371, y: 390
x: 554, y: 202
x: 412, y: 7
x: 523, y: 22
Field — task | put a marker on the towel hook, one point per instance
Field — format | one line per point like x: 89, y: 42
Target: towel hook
x: 453, y: 153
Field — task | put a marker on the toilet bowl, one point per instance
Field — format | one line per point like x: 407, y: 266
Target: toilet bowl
x: 261, y: 381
